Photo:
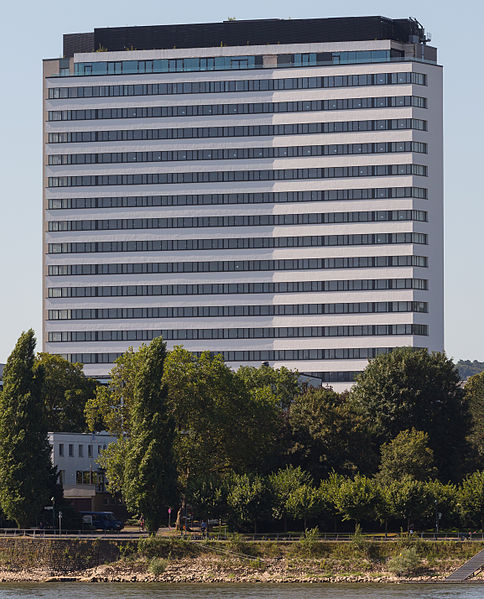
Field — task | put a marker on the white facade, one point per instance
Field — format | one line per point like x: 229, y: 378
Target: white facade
x: 402, y: 303
x: 75, y: 456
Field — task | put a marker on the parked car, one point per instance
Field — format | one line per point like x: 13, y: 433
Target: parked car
x: 101, y: 520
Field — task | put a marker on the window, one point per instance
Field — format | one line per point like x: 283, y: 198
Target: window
x: 239, y: 108
x: 71, y: 450
x: 237, y: 288
x: 61, y: 450
x: 81, y: 451
x: 89, y: 451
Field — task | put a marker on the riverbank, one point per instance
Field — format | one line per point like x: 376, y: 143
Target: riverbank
x: 178, y: 561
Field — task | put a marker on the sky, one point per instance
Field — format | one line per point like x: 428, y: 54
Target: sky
x: 32, y: 30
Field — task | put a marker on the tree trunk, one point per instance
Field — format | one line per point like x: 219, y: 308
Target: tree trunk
x: 179, y: 515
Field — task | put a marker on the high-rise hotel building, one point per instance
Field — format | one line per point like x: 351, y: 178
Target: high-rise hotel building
x: 270, y: 190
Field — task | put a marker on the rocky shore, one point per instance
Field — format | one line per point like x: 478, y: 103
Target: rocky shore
x: 211, y: 568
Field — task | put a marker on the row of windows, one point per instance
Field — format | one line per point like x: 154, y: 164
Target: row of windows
x: 242, y: 85
x: 253, y: 220
x: 137, y: 268
x: 344, y: 376
x: 144, y: 112
x: 238, y: 131
x: 338, y: 172
x: 168, y: 245
x: 238, y: 153
x: 238, y: 288
x: 224, y: 63
x: 80, y: 450
x: 267, y: 197
x: 240, y: 333
x: 347, y: 353
x: 228, y: 311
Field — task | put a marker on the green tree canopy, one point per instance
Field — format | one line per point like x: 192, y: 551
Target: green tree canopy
x: 221, y: 425
x: 357, y: 499
x: 110, y: 408
x: 283, y: 483
x: 327, y: 434
x: 65, y: 391
x: 149, y: 484
x: 27, y: 477
x: 471, y: 499
x: 474, y: 390
x: 282, y: 382
x: 407, y: 455
x: 409, y: 500
x: 410, y: 388
x: 248, y: 499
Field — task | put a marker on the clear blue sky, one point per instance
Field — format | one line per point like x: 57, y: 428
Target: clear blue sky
x: 32, y: 30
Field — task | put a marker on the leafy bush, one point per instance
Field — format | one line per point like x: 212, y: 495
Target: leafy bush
x: 406, y: 563
x: 309, y: 543
x: 359, y: 541
x: 158, y: 565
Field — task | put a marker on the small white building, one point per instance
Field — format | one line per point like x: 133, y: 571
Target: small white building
x: 75, y: 456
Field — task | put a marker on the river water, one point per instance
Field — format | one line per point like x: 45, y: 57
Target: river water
x: 236, y: 591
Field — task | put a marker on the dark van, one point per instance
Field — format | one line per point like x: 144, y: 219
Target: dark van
x: 101, y: 520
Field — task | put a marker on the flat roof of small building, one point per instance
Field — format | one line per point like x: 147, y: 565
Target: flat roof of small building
x: 244, y: 33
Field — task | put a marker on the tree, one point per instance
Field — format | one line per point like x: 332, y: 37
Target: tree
x: 445, y: 499
x: 357, y: 499
x: 304, y: 502
x: 27, y: 477
x: 414, y: 388
x: 248, y: 499
x: 110, y: 407
x: 409, y: 500
x: 65, y: 391
x: 474, y: 390
x: 282, y: 382
x: 208, y: 496
x: 283, y: 484
x: 149, y: 482
x: 407, y: 455
x: 221, y: 426
x: 327, y: 434
x: 471, y: 499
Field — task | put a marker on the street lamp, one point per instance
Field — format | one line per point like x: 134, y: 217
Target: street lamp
x: 53, y: 512
x: 438, y: 516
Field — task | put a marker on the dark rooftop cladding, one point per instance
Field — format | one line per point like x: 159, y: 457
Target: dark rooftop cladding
x: 245, y: 33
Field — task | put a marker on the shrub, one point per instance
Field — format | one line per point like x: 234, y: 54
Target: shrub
x: 406, y: 563
x: 359, y: 541
x: 158, y: 565
x: 309, y: 543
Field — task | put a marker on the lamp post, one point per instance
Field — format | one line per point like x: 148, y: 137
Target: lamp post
x: 438, y: 516
x: 53, y: 512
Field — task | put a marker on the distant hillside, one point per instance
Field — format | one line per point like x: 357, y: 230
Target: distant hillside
x: 467, y: 368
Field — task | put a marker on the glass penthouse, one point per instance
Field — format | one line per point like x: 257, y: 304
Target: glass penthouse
x: 270, y: 190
